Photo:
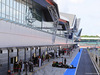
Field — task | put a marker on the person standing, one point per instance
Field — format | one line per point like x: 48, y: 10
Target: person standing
x: 43, y: 57
x: 29, y: 66
x: 59, y: 53
x: 19, y: 69
x: 65, y: 61
x: 26, y: 67
x: 32, y: 66
x: 39, y: 61
x: 79, y: 50
x: 22, y: 67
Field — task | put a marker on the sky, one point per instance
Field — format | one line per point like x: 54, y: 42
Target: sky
x: 87, y: 10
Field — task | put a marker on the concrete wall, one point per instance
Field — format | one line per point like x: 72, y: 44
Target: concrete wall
x: 12, y: 35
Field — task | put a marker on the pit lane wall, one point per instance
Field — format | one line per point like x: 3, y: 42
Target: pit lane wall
x: 12, y: 35
x: 96, y: 60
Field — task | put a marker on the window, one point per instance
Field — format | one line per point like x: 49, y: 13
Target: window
x: 3, y: 1
x: 0, y: 8
x: 7, y: 2
x: 11, y: 3
x: 15, y: 10
x: 7, y: 12
x: 11, y: 14
x: 3, y: 10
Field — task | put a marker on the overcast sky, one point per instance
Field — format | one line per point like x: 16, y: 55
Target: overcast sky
x: 87, y: 10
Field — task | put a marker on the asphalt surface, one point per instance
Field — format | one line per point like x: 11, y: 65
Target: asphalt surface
x: 85, y: 66
x: 47, y: 68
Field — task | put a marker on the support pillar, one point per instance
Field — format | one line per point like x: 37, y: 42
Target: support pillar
x: 31, y: 53
x: 35, y: 52
x: 40, y: 51
x: 25, y: 54
x: 47, y: 49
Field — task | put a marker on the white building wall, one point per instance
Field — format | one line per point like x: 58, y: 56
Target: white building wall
x: 12, y: 35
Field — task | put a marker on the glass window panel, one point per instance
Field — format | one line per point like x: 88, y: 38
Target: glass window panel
x: 38, y: 12
x: 24, y: 10
x: 24, y: 17
x: 14, y: 19
x: 3, y: 1
x: 14, y: 14
x: 19, y: 20
x: 20, y: 8
x: 22, y: 22
x: 17, y: 6
x: 14, y: 4
x: 3, y: 8
x: 3, y: 15
x: 11, y: 3
x: 7, y: 2
x: 11, y: 18
x: 20, y: 16
x: 17, y: 14
x: 0, y: 6
x: 11, y: 12
x: 7, y: 16
x: 7, y: 10
x: 37, y: 23
x: 28, y: 10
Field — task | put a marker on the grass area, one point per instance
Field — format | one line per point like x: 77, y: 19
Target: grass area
x: 90, y: 36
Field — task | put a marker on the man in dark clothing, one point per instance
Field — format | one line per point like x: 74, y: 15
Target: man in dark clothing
x: 29, y: 66
x: 26, y: 67
x: 65, y: 61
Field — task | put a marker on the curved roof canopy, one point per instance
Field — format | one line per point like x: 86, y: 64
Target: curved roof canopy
x: 45, y: 4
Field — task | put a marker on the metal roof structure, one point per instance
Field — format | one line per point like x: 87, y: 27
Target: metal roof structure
x: 69, y: 17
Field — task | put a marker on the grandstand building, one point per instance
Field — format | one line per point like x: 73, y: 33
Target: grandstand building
x: 30, y: 28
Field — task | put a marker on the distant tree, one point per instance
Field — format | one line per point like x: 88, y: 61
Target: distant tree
x: 90, y: 36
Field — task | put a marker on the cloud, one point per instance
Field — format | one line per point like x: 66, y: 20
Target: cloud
x: 62, y: 5
x: 76, y: 1
x: 87, y: 10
